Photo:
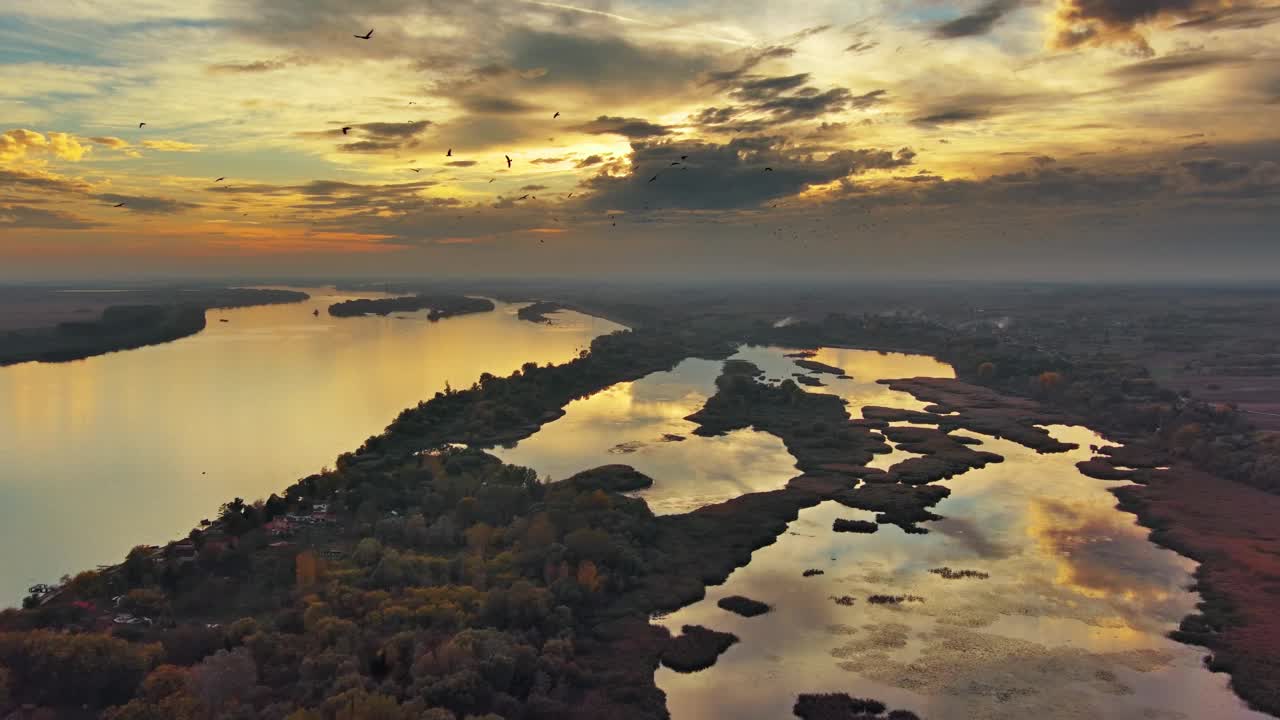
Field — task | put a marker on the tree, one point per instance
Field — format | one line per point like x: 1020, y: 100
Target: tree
x: 367, y: 553
x: 306, y: 568
x: 224, y: 678
x: 588, y: 576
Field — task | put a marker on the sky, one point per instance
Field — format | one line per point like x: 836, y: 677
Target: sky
x: 1053, y: 139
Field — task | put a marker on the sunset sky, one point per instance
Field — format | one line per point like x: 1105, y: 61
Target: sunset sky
x: 1056, y: 138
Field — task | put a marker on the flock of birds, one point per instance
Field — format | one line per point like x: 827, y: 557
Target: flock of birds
x: 681, y: 163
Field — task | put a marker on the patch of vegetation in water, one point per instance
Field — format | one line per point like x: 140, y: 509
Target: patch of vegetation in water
x: 743, y: 606
x: 697, y: 648
x: 854, y: 526
x: 841, y: 706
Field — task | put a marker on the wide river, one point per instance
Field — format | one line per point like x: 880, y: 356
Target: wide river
x: 136, y: 447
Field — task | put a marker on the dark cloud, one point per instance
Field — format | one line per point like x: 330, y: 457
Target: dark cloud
x: 548, y: 160
x: 1043, y: 160
x: 1119, y: 22
x: 728, y: 176
x: 978, y: 22
x: 534, y: 187
x: 953, y: 115
x: 627, y: 127
x: 1243, y: 16
x: 606, y: 65
x: 1172, y: 67
x: 25, y: 216
x: 765, y: 88
x: 12, y: 178
x: 1217, y: 172
x: 747, y: 64
x: 146, y: 204
x: 461, y: 163
x: 589, y: 160
x: 381, y: 137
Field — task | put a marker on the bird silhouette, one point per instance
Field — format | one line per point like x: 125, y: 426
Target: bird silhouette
x: 365, y: 36
x: 508, y: 157
x: 412, y: 102
x: 655, y: 177
x: 346, y: 130
x: 141, y: 124
x: 684, y: 157
x: 553, y: 117
x: 768, y: 169
x: 675, y: 163
x: 491, y: 179
x: 118, y: 205
x: 449, y: 152
x: 416, y: 169
x: 219, y: 179
x: 524, y: 197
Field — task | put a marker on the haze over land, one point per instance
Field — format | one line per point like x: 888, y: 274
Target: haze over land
x: 1056, y: 139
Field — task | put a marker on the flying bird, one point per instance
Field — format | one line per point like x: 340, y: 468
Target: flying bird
x: 219, y: 179
x: 508, y: 157
x: 655, y: 177
x: 524, y: 197
x: 118, y: 205
x: 412, y: 102
x: 768, y: 169
x: 684, y: 157
x: 553, y: 117
x: 141, y: 124
x: 675, y: 163
x: 346, y: 130
x: 365, y: 36
x: 449, y: 153
x: 491, y: 179
x: 416, y: 169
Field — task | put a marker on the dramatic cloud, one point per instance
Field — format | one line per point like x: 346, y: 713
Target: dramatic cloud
x: 588, y: 161
x: 1082, y: 23
x: 19, y: 143
x: 1172, y: 67
x: 627, y: 127
x: 381, y: 137
x: 461, y: 163
x: 742, y: 173
x: 953, y: 115
x: 978, y: 22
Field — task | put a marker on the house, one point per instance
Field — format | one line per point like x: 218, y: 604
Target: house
x: 279, y: 527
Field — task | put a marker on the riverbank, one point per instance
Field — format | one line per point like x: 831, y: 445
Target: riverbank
x: 128, y: 326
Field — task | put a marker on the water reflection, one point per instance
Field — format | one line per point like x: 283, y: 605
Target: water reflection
x: 632, y: 423
x: 1070, y: 623
x: 135, y: 447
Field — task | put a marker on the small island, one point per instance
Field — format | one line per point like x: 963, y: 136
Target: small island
x: 538, y: 312
x: 441, y: 306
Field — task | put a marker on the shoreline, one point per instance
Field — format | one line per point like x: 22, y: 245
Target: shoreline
x: 128, y: 327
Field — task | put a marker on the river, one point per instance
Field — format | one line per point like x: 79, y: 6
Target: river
x: 136, y: 447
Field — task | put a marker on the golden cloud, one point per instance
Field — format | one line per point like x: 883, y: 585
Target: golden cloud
x: 170, y: 146
x: 19, y: 143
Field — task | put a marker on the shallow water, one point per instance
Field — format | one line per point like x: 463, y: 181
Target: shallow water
x: 1071, y: 622
x: 136, y: 447
x: 627, y: 424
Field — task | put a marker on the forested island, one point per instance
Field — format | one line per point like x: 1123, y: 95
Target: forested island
x: 127, y: 326
x: 422, y: 579
x: 441, y: 306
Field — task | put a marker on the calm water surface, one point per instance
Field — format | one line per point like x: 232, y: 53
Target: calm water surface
x: 632, y: 423
x: 1071, y: 622
x: 136, y: 447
